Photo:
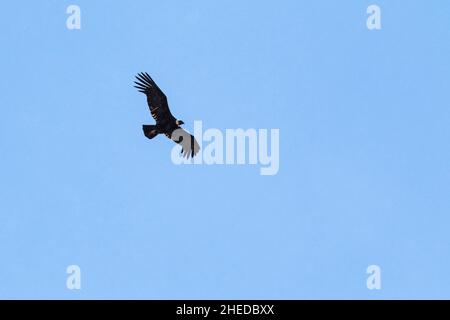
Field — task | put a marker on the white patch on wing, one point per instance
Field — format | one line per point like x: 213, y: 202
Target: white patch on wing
x: 188, y: 142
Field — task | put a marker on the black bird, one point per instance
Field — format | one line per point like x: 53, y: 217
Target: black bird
x: 165, y: 121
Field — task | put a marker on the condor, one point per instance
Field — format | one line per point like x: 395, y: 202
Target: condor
x: 166, y: 123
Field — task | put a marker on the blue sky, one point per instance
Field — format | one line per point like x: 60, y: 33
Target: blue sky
x: 364, y: 157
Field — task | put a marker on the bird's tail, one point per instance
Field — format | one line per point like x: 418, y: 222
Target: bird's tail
x: 150, y: 131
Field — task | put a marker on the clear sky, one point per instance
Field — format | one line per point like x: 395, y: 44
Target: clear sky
x: 364, y: 172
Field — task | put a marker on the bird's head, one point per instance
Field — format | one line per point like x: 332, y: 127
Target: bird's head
x: 179, y: 122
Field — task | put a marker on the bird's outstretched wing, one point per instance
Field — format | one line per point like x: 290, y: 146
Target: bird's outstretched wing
x: 156, y: 99
x: 189, y: 145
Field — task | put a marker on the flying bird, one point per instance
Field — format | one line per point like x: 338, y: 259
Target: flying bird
x: 166, y: 123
